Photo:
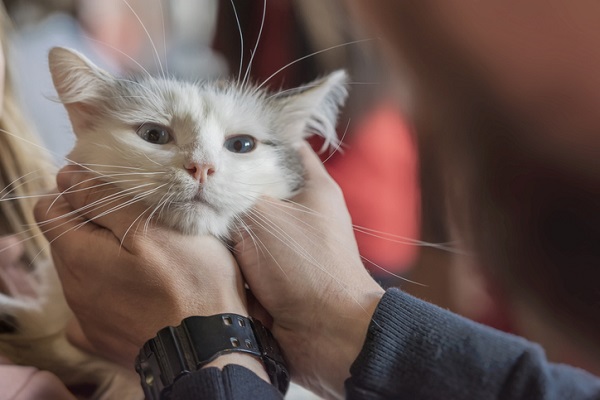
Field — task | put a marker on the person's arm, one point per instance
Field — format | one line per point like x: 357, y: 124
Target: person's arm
x: 232, y: 382
x: 416, y: 350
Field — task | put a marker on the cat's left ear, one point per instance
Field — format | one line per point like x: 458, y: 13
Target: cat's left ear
x: 81, y: 86
x: 313, y: 109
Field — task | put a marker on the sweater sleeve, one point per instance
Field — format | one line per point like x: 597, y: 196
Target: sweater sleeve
x: 233, y: 382
x: 415, y: 350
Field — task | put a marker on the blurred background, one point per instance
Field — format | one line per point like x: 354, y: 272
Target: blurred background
x: 393, y: 195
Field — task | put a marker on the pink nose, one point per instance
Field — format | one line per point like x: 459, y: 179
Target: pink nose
x: 200, y: 172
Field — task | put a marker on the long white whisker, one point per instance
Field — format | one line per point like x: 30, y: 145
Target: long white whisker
x: 135, y: 199
x: 309, y: 228
x: 30, y: 142
x: 151, y: 160
x: 100, y: 184
x: 164, y: 32
x: 134, y: 223
x: 133, y: 60
x: 387, y: 271
x: 239, y: 26
x: 262, y: 24
x: 112, y: 166
x: 403, y: 240
x: 168, y: 202
x: 162, y: 71
x: 339, y: 144
x: 275, y: 229
x: 163, y: 201
x: 12, y: 184
x: 98, y: 203
x: 257, y: 220
x: 31, y: 196
x: 289, y: 204
x: 308, y: 56
x: 132, y: 201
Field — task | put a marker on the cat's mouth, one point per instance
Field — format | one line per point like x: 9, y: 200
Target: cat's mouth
x: 200, y: 198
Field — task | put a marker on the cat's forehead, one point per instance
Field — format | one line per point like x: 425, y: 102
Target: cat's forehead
x: 174, y: 102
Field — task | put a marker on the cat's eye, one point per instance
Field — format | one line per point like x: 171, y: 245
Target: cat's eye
x: 240, y: 144
x: 154, y: 133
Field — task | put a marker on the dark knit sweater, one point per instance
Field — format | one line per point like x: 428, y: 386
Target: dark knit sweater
x: 415, y: 350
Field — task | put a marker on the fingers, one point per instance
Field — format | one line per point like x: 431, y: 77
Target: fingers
x: 312, y: 163
x: 317, y: 179
x: 62, y: 226
x: 84, y: 212
x: 99, y: 201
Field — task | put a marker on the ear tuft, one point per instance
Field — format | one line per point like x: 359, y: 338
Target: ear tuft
x: 313, y: 108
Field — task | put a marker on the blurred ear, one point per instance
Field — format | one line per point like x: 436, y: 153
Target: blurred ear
x: 313, y: 108
x: 80, y: 86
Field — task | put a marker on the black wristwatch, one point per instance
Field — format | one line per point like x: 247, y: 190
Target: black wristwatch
x: 178, y: 351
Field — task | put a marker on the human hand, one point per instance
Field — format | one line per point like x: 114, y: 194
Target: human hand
x: 302, y: 264
x: 125, y: 280
x: 28, y: 383
x: 15, y: 281
x: 12, y: 250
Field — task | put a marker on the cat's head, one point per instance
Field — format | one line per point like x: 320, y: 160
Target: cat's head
x: 198, y: 154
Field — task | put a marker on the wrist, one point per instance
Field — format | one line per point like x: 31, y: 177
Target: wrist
x: 335, y: 341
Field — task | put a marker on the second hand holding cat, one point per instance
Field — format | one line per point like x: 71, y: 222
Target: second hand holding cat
x: 308, y: 274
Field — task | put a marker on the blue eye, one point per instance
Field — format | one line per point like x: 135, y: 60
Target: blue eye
x: 240, y: 144
x: 153, y: 133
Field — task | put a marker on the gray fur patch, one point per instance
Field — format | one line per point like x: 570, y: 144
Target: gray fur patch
x: 292, y: 164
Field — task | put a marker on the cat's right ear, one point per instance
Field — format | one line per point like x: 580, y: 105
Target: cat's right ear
x: 79, y: 84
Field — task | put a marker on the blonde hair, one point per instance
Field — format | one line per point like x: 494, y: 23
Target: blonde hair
x: 25, y: 167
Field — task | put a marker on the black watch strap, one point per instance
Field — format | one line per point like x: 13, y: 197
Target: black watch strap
x: 177, y: 351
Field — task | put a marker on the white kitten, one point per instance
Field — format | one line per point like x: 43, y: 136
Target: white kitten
x: 199, y: 155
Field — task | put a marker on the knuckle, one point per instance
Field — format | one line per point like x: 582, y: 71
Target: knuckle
x: 335, y: 188
x: 45, y: 208
x: 85, y: 193
x: 331, y: 188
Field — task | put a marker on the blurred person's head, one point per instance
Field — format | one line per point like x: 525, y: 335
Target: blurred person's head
x: 24, y: 167
x: 29, y: 12
x: 506, y: 92
x: 129, y: 32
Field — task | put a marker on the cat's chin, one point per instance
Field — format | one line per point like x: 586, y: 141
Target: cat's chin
x: 200, y: 221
